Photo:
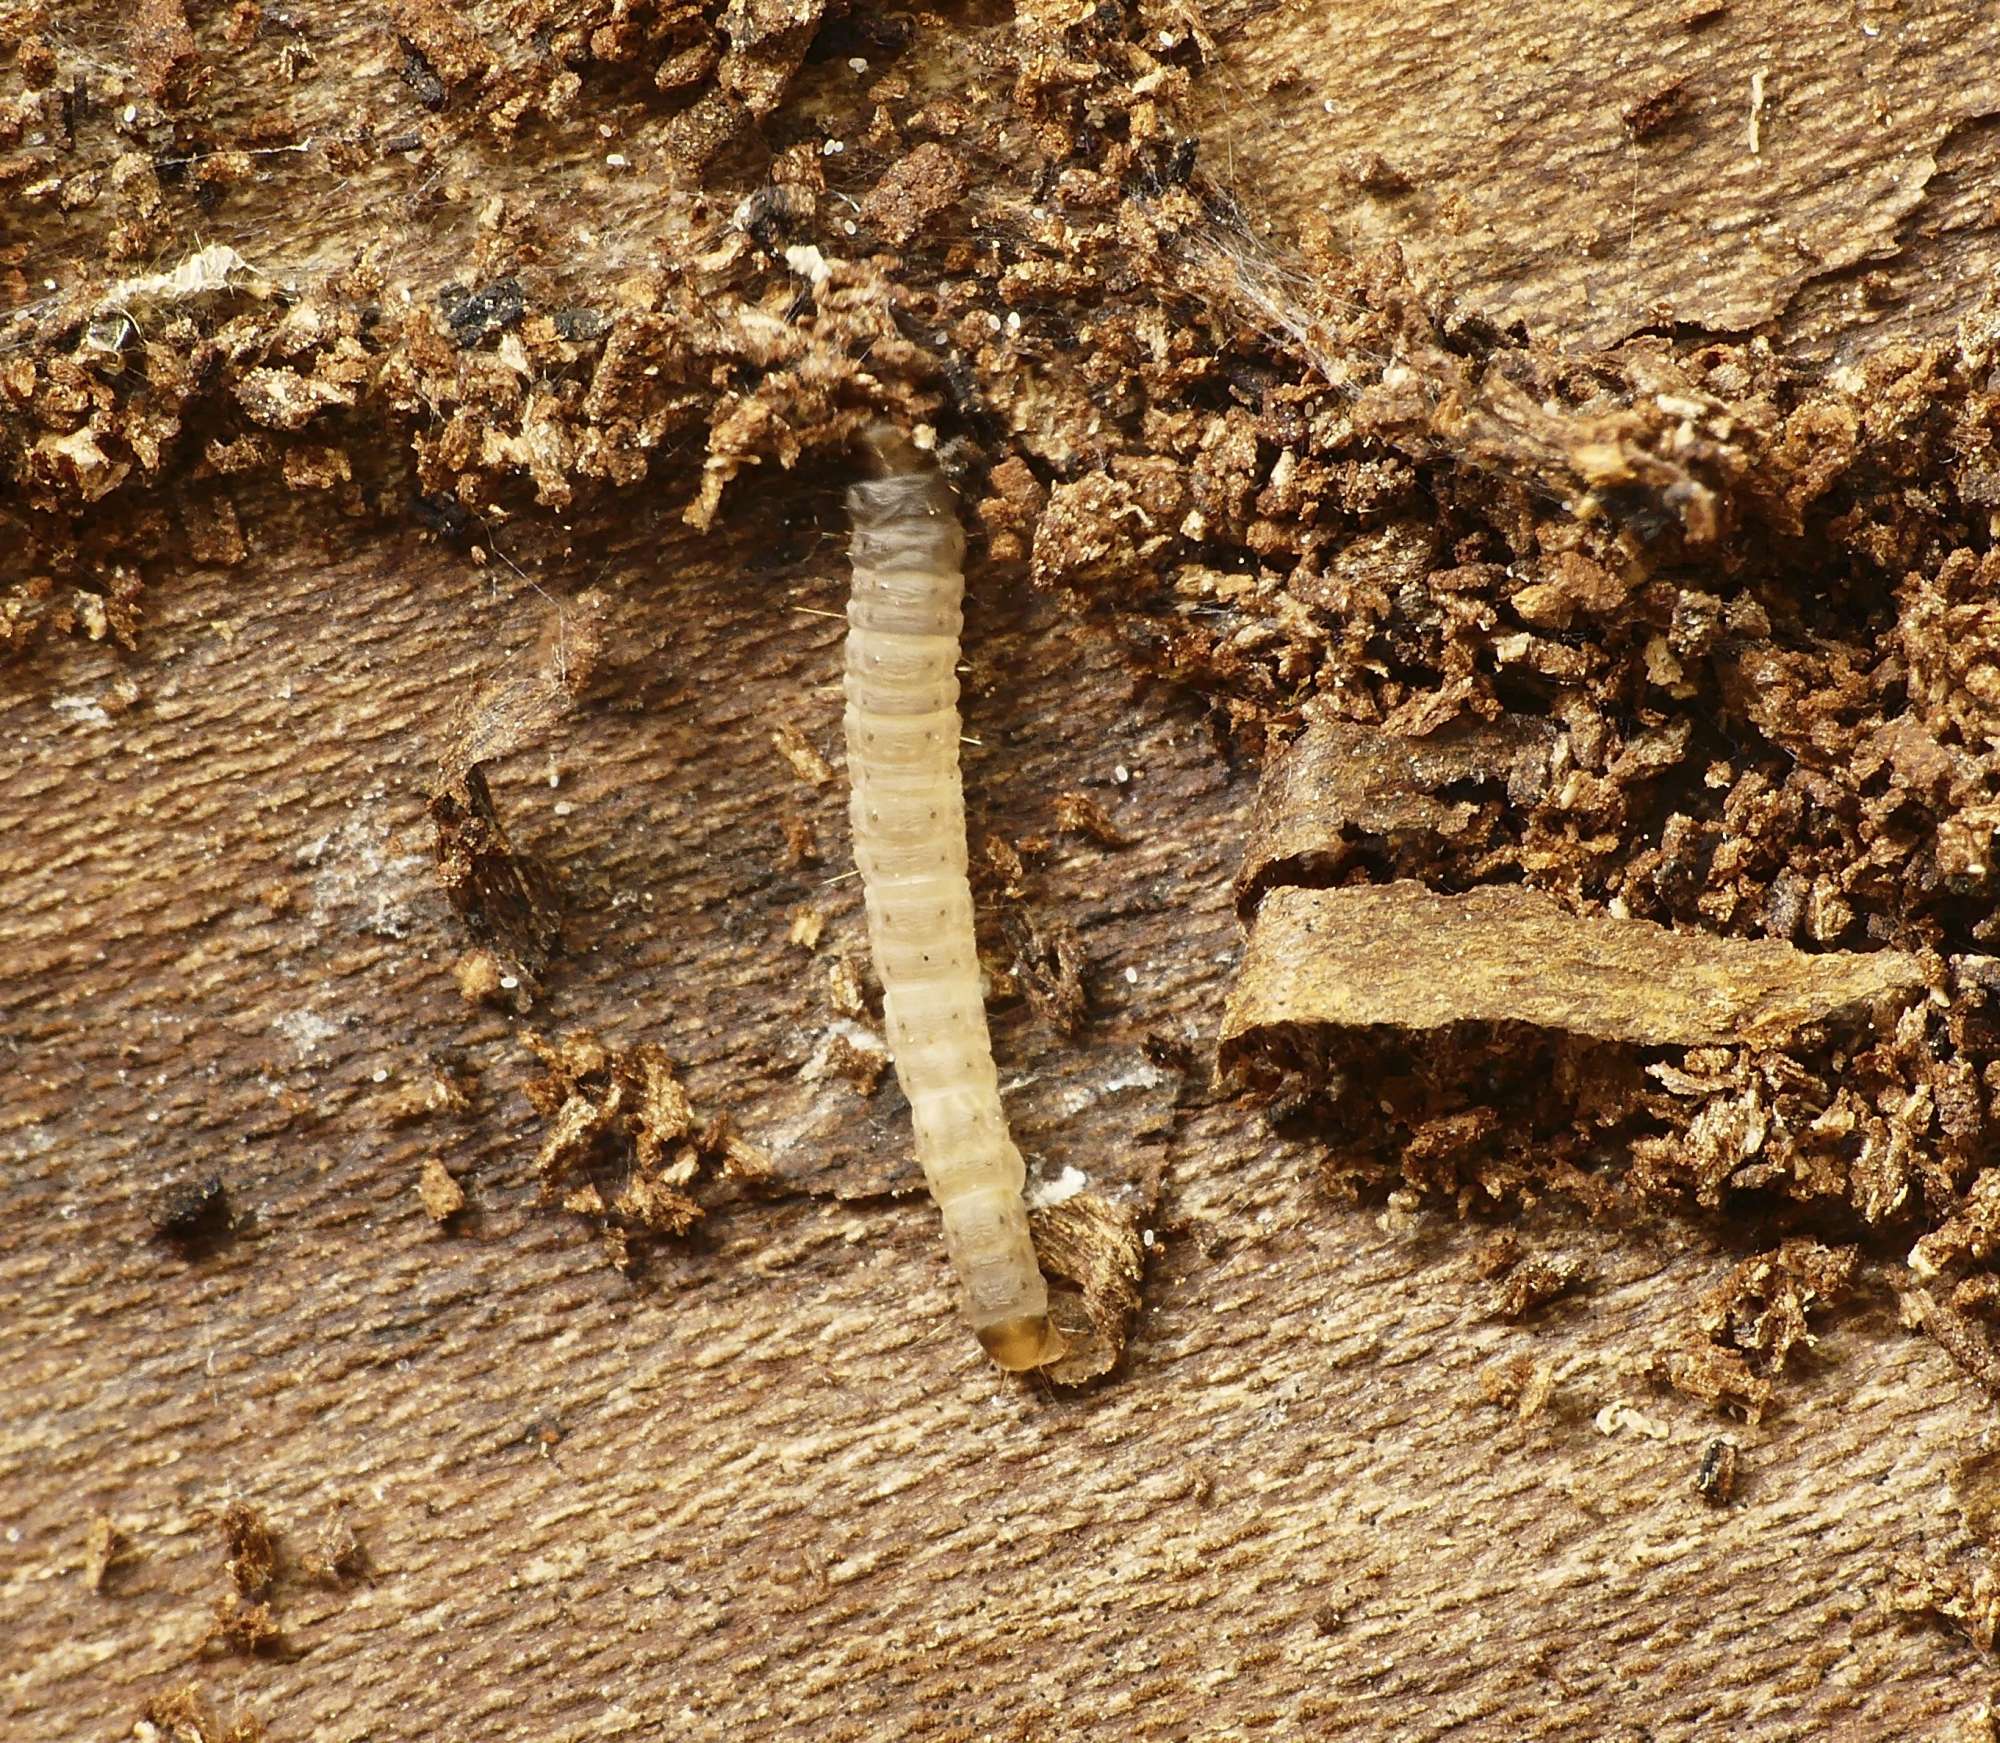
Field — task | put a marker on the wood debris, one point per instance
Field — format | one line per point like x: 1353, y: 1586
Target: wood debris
x: 252, y: 1553
x: 1406, y: 957
x: 181, y: 1715
x: 335, y: 1555
x: 446, y: 1086
x: 1975, y: 1485
x: 624, y: 1147
x: 243, y: 1619
x: 801, y: 755
x: 1966, y: 1597
x: 480, y: 977
x: 442, y: 1196
x: 193, y: 1216
x: 914, y: 193
x: 1521, y: 1383
x: 507, y: 898
x: 1715, y: 1376
x: 1536, y: 1281
x: 1047, y: 965
x: 1080, y: 814
x: 1340, y: 785
x: 1762, y: 1306
x: 1097, y: 1246
x: 104, y: 1548
x: 1655, y: 111
x: 240, y: 1626
x: 1962, y: 1340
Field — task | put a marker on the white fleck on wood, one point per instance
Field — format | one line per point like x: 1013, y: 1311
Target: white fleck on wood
x: 908, y: 812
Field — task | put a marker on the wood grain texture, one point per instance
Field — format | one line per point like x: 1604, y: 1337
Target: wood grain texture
x: 769, y: 1489
x: 766, y: 1492
x: 1518, y: 172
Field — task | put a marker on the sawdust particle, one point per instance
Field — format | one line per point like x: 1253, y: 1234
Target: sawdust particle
x: 1080, y: 814
x: 104, y: 1548
x: 806, y: 762
x: 442, y: 1196
x: 181, y: 1715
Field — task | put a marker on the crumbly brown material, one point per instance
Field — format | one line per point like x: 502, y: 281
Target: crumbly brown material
x: 624, y: 1147
x: 1289, y: 478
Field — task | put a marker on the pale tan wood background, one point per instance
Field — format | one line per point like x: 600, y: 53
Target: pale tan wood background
x: 772, y: 1489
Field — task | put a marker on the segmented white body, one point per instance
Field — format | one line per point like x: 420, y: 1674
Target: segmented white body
x: 908, y: 811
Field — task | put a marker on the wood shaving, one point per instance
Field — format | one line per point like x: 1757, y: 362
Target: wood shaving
x: 104, y: 1548
x: 1403, y: 956
x: 623, y: 1147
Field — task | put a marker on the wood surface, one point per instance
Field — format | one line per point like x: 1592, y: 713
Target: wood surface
x: 766, y: 1486
x: 1592, y: 171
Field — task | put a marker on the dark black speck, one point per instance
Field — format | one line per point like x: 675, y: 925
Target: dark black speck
x: 473, y: 315
x: 421, y: 77
x: 580, y: 325
x: 193, y: 1215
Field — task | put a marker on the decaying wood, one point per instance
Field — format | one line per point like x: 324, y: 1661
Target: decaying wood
x: 1402, y: 956
x: 354, y: 356
x: 1341, y: 784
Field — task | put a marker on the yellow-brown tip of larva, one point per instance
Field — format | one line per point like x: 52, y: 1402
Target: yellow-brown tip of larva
x: 1026, y: 1342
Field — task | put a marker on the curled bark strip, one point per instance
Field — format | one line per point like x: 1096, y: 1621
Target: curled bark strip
x: 1406, y: 957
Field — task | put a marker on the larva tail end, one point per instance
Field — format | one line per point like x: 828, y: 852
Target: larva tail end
x: 1019, y: 1344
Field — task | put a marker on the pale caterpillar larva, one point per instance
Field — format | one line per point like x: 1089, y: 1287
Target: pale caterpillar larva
x: 908, y: 812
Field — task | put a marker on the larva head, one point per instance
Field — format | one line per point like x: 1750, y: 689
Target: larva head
x: 893, y: 453
x: 1019, y: 1344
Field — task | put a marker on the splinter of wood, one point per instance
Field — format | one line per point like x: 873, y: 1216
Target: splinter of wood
x: 908, y: 811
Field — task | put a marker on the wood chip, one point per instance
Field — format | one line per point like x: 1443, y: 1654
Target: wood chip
x: 505, y: 896
x: 443, y: 1197
x: 103, y: 1549
x: 1538, y: 1280
x: 1340, y: 782
x: 252, y: 1553
x: 1403, y: 956
x: 1098, y: 1246
x: 806, y: 761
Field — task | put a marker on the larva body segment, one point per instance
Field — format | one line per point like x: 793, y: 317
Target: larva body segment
x: 908, y: 812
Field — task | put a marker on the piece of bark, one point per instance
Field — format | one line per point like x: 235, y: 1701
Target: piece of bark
x: 1340, y: 780
x: 1099, y: 1247
x: 1403, y: 956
